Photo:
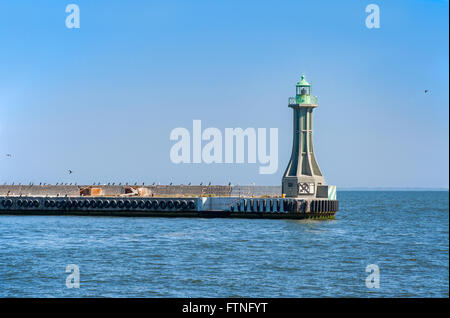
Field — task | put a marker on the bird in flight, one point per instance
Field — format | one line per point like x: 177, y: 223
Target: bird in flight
x: 8, y: 155
x: 426, y: 91
x: 70, y: 171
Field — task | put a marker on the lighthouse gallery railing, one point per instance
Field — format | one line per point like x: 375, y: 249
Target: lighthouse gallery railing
x: 306, y: 99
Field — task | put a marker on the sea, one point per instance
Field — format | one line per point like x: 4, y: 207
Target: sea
x: 380, y: 244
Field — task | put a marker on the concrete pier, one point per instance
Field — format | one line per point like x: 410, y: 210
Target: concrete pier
x: 230, y: 207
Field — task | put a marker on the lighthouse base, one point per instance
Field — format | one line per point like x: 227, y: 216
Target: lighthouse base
x: 306, y: 188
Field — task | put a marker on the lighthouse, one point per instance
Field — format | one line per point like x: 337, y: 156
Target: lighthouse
x: 303, y: 178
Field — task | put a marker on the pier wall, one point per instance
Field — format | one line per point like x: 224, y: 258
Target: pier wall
x: 157, y: 190
x: 169, y: 206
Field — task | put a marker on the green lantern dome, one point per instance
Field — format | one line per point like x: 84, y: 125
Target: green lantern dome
x: 303, y: 94
x: 303, y: 82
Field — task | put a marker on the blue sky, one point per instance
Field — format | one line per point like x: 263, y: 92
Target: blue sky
x: 102, y: 100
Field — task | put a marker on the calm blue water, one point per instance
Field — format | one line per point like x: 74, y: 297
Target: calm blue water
x: 404, y: 233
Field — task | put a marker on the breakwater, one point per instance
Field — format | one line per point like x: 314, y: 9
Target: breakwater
x: 161, y: 201
x: 233, y: 207
x: 155, y: 190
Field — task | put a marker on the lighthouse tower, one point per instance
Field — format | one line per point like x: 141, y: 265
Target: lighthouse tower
x: 302, y: 176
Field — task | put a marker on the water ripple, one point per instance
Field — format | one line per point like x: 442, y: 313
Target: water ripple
x: 156, y: 257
